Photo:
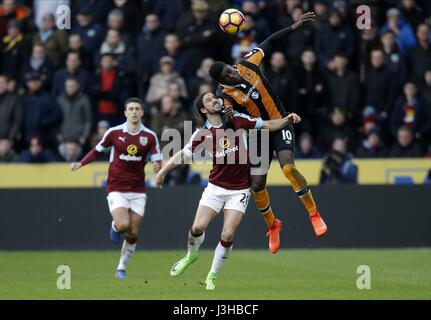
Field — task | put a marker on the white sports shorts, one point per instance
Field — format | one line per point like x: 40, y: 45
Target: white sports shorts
x: 130, y: 200
x: 216, y: 198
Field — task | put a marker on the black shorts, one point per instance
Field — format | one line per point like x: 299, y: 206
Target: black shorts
x: 277, y: 141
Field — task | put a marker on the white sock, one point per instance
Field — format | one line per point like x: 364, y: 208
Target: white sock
x: 221, y: 253
x: 194, y: 243
x: 127, y: 251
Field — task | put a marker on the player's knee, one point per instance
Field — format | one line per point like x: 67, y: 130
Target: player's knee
x: 197, y: 229
x: 258, y: 185
x: 122, y: 226
x: 286, y: 157
x: 227, y: 234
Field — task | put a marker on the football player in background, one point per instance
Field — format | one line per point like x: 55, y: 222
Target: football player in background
x: 129, y: 144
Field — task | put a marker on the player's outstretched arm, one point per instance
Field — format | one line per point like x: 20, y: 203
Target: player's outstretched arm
x: 305, y: 19
x: 74, y: 166
x: 89, y: 157
x: 173, y: 162
x: 274, y: 125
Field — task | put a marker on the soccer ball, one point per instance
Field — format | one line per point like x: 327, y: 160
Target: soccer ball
x: 231, y: 21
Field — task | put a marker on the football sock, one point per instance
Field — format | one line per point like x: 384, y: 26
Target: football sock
x: 264, y: 205
x: 299, y: 185
x: 221, y: 253
x: 127, y: 250
x: 194, y: 242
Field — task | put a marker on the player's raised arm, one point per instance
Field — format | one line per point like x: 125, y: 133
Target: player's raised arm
x: 179, y: 158
x: 246, y: 122
x: 305, y: 19
x: 274, y: 125
x: 173, y: 162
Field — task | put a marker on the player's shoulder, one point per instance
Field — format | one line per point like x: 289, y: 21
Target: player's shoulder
x: 199, y: 132
x: 255, y: 50
x: 116, y: 130
x: 148, y: 132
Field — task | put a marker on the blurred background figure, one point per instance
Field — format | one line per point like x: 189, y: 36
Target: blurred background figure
x: 10, y: 113
x: 52, y: 39
x: 70, y: 151
x: 413, y: 112
x: 372, y: 146
x: 7, y: 154
x: 109, y: 91
x: 36, y: 152
x: 405, y: 145
x: 338, y: 167
x: 77, y: 114
x: 159, y: 83
x: 41, y: 113
x: 38, y: 63
x: 306, y: 148
x: 169, y: 117
x: 15, y: 50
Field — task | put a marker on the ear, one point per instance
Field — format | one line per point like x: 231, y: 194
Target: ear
x: 203, y: 110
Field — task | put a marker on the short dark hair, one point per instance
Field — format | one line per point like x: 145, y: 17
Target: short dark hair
x: 216, y: 70
x: 134, y: 99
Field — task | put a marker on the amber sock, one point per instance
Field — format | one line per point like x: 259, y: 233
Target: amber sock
x: 264, y: 205
x: 299, y: 185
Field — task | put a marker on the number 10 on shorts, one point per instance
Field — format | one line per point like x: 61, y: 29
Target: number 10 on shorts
x: 287, y: 135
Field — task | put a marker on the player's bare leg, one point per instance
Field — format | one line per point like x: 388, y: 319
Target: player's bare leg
x: 263, y: 203
x: 286, y: 159
x: 129, y: 244
x: 120, y: 224
x: 196, y: 237
x: 232, y: 219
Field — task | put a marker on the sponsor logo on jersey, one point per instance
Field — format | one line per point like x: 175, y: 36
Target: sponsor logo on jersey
x: 225, y: 152
x: 128, y: 157
x: 224, y: 143
x: 132, y: 149
x: 251, y: 91
x: 255, y: 95
x: 143, y: 140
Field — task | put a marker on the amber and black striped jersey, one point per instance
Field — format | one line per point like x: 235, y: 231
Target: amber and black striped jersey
x: 254, y: 96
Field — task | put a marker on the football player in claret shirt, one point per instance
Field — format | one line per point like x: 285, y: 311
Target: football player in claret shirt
x: 229, y: 181
x: 245, y: 89
x: 129, y: 144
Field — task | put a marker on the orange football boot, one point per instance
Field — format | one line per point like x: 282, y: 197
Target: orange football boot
x: 274, y: 236
x: 318, y: 224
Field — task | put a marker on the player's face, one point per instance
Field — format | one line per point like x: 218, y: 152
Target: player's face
x: 230, y: 76
x: 211, y: 103
x: 134, y: 112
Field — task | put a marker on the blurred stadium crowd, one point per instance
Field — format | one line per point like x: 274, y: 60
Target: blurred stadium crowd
x: 362, y: 93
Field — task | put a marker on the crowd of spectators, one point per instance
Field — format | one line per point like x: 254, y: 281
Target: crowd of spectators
x: 366, y: 92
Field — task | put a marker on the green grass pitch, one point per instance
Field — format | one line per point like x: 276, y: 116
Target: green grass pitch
x: 248, y: 274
